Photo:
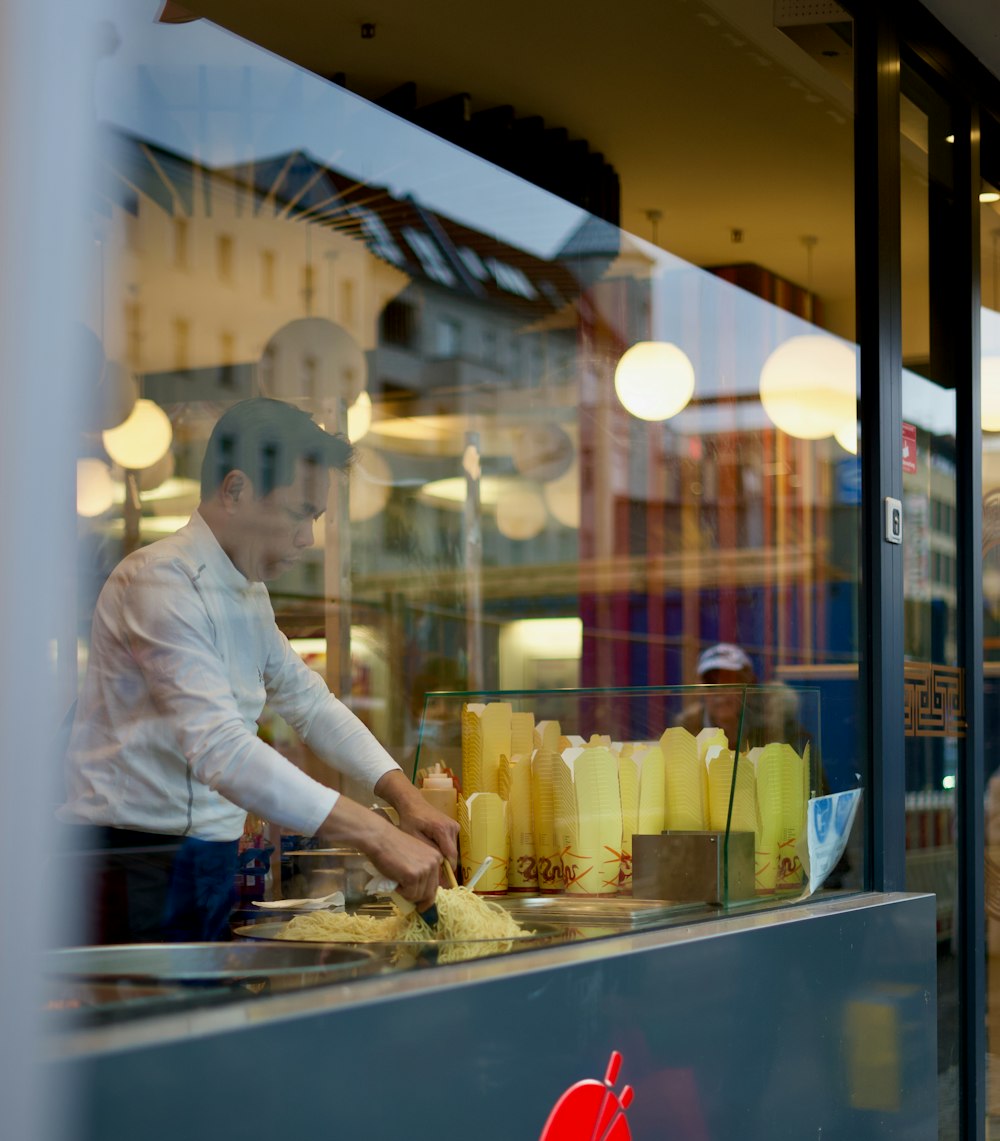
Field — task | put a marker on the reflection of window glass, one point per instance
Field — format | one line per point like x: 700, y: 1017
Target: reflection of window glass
x: 398, y: 324
x: 227, y: 356
x: 133, y: 335
x: 182, y: 342
x: 179, y: 234
x: 430, y: 257
x: 378, y: 235
x: 224, y: 257
x: 267, y: 272
x: 347, y: 302
x: 490, y: 349
x: 448, y: 337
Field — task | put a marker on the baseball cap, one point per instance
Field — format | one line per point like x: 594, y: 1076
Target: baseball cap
x: 724, y: 656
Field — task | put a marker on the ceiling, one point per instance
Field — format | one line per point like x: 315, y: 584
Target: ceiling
x: 710, y: 114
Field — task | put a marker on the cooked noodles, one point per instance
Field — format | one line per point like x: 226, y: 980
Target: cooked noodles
x: 462, y: 915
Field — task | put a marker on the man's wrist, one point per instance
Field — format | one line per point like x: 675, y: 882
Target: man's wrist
x: 396, y: 789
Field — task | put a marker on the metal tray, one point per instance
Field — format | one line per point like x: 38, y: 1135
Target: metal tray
x: 615, y: 912
x: 200, y: 963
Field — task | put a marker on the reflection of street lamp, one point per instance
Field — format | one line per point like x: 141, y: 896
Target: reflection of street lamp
x: 520, y: 513
x: 371, y: 478
x: 142, y: 440
x: 847, y: 436
x: 808, y: 387
x: 654, y: 380
x: 95, y: 489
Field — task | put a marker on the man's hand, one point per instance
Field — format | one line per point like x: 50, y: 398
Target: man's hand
x: 412, y: 862
x: 417, y: 817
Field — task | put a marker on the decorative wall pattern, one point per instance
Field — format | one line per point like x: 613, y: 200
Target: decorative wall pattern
x: 933, y: 700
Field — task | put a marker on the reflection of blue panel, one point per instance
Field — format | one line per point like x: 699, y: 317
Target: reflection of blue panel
x: 848, y: 476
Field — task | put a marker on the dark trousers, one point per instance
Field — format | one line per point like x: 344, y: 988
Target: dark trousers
x: 145, y: 887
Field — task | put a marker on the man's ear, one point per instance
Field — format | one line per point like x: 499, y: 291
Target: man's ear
x: 235, y: 485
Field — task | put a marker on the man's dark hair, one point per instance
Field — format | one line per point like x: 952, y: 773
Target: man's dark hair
x: 265, y: 439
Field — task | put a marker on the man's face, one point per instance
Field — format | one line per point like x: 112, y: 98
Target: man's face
x: 723, y: 709
x: 276, y: 529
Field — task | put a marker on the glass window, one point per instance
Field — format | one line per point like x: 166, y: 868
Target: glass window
x: 934, y: 684
x: 661, y: 491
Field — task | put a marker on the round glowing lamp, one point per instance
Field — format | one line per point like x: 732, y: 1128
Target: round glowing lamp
x: 562, y: 497
x: 521, y: 514
x: 808, y: 387
x: 371, y: 478
x: 142, y: 440
x: 95, y: 489
x: 654, y: 380
x: 989, y: 380
x: 847, y: 436
x: 359, y: 418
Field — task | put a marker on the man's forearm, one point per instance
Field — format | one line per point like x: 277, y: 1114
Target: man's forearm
x: 397, y: 790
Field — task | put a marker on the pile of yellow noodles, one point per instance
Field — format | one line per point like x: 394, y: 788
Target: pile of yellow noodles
x: 462, y: 915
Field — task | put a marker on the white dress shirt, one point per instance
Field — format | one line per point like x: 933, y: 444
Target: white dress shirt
x: 184, y: 653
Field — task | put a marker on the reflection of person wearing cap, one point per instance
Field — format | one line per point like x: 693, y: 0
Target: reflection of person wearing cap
x: 723, y: 664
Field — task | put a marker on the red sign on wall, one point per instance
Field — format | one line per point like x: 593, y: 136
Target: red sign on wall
x: 909, y: 448
x: 591, y: 1109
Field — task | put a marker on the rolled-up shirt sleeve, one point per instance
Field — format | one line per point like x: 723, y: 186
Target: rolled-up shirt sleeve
x: 170, y: 637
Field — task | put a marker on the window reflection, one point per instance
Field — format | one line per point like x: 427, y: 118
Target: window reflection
x: 263, y: 231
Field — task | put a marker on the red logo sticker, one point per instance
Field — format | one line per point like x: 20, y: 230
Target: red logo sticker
x: 591, y: 1110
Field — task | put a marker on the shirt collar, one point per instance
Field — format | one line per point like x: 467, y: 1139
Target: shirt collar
x: 215, y: 559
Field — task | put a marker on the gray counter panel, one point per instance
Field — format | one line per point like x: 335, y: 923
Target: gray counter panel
x: 746, y: 1028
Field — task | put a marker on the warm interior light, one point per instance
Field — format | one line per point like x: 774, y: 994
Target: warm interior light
x: 520, y: 513
x: 95, y: 489
x: 654, y: 380
x: 808, y: 387
x: 989, y: 381
x: 450, y: 492
x: 359, y: 418
x: 371, y: 479
x: 989, y: 196
x: 847, y: 436
x: 142, y: 440
x: 562, y: 497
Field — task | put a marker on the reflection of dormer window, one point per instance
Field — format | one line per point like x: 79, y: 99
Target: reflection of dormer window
x: 511, y: 279
x: 377, y: 234
x: 473, y: 263
x: 448, y: 338
x: 430, y: 256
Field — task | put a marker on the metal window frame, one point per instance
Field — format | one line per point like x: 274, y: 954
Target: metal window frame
x: 885, y: 34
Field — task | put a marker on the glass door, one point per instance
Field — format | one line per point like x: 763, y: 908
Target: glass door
x: 934, y: 685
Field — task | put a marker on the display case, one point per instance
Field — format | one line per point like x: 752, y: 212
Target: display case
x: 673, y: 795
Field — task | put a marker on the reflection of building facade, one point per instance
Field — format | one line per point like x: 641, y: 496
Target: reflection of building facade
x: 725, y: 526
x: 503, y: 485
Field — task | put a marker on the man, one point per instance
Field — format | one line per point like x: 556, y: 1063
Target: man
x: 724, y: 664
x: 164, y: 760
